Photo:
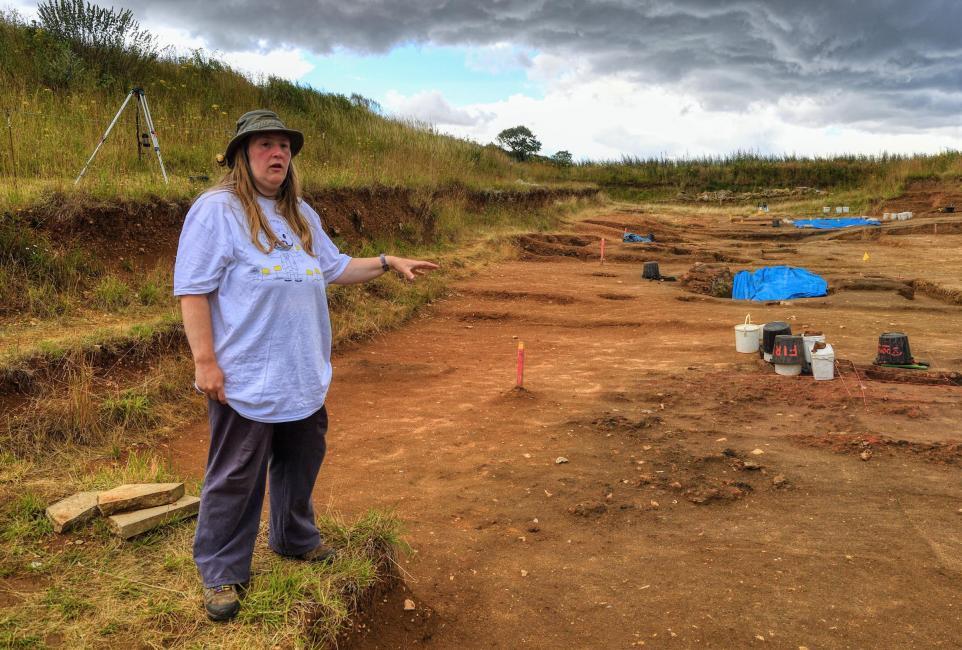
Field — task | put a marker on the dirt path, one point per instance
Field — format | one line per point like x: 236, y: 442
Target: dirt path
x: 663, y: 529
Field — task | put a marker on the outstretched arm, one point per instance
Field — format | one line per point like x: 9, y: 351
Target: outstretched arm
x: 362, y: 269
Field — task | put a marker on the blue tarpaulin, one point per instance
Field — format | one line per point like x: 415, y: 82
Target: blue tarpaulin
x: 832, y: 224
x: 632, y: 238
x: 777, y: 283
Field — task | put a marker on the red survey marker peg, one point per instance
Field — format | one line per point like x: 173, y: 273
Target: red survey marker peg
x: 520, y: 383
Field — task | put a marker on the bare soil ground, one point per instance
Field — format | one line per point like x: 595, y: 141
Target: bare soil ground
x: 705, y: 501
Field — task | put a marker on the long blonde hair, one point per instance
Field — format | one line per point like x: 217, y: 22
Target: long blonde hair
x: 240, y: 180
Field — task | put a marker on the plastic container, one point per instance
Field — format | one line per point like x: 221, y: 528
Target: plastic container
x: 769, y: 332
x: 823, y: 363
x: 651, y: 271
x: 746, y: 336
x: 893, y: 348
x: 809, y: 340
x: 788, y: 355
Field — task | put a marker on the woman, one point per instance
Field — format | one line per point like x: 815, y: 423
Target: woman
x: 252, y: 267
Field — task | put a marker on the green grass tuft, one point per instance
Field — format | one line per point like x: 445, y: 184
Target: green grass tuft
x: 112, y: 293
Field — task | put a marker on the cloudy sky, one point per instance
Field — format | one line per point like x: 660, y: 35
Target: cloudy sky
x: 606, y: 78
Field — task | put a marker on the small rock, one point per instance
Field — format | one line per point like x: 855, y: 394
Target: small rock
x: 408, y: 605
x: 588, y: 509
x: 759, y: 637
x: 654, y: 504
x: 779, y: 480
x: 524, y: 574
x: 865, y: 455
x: 36, y: 565
x: 676, y: 485
x: 751, y: 466
x: 560, y: 460
x: 721, y: 439
x: 757, y: 452
x: 526, y: 455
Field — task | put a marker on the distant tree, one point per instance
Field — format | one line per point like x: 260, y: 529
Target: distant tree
x: 520, y: 141
x: 563, y: 158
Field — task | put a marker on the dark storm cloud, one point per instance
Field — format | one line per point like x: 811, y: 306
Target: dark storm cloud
x: 887, y: 64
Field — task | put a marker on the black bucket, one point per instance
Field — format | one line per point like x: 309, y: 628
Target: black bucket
x: 651, y: 271
x: 788, y: 350
x: 893, y: 348
x: 770, y: 331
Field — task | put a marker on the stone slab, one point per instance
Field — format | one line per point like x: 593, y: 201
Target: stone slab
x: 74, y: 510
x: 137, y: 496
x: 129, y: 524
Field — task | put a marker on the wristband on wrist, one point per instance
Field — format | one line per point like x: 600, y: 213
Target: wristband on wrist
x: 384, y: 265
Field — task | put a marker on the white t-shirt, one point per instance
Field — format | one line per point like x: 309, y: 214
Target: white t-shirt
x: 272, y: 331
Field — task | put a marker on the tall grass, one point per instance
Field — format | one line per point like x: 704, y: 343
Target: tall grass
x: 880, y: 175
x: 59, y: 106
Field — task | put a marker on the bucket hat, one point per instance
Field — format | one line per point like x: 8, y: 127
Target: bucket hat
x: 261, y: 121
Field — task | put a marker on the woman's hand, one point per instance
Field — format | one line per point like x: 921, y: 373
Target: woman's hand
x: 410, y: 269
x: 209, y: 379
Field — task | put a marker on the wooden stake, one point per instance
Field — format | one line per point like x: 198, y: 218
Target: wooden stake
x: 520, y: 383
x: 602, y: 250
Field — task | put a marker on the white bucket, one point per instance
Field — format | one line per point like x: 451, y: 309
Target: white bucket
x: 808, y: 342
x: 823, y: 363
x: 746, y: 336
x: 792, y: 370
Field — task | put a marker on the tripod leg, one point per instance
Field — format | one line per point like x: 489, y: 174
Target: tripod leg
x: 104, y: 138
x: 153, y: 135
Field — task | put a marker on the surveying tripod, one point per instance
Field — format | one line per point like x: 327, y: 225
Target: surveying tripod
x: 148, y: 120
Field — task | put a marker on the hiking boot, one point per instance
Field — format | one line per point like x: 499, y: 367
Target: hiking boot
x: 320, y: 553
x: 221, y: 602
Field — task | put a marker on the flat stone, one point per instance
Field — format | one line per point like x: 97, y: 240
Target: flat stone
x: 137, y: 496
x: 72, y: 511
x: 129, y: 524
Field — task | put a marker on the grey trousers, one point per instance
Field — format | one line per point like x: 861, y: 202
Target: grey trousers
x: 243, y: 455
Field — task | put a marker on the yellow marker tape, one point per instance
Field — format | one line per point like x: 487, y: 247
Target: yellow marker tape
x: 278, y: 267
x: 265, y: 271
x: 310, y: 272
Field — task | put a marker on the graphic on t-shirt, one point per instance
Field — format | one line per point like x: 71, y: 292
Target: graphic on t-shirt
x: 293, y: 264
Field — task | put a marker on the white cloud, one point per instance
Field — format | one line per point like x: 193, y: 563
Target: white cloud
x: 608, y: 117
x: 289, y: 64
x: 430, y: 106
